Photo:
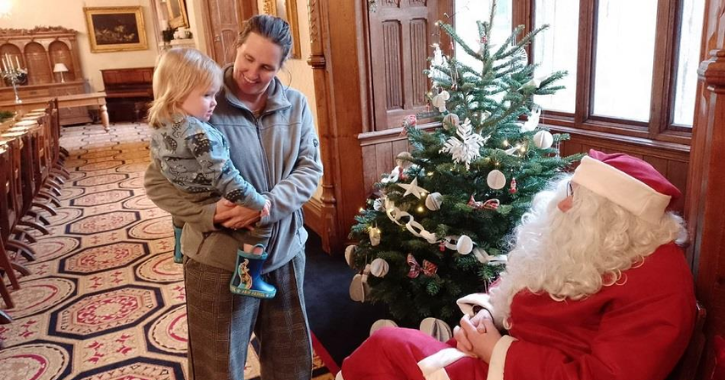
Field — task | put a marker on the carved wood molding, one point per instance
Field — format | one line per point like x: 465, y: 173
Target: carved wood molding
x: 269, y: 7
x: 712, y: 71
x: 317, y: 62
x: 36, y: 30
x: 390, y: 135
x: 313, y: 15
x: 642, y: 143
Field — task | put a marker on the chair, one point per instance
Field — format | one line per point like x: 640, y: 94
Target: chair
x: 5, y: 264
x: 15, y: 202
x: 686, y: 368
x: 10, y: 196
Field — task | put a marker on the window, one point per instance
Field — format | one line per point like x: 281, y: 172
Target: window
x: 632, y: 64
x: 624, y: 63
x: 470, y: 11
x: 688, y: 60
x: 553, y: 50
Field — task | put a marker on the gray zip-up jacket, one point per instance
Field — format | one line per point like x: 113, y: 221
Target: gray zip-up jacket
x: 278, y: 153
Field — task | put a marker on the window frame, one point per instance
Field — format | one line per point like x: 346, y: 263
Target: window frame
x: 661, y: 126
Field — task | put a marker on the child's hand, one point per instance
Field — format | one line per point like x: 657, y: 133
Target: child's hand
x: 265, y: 210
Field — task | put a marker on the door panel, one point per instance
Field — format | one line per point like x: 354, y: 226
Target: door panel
x: 224, y: 23
x: 400, y: 39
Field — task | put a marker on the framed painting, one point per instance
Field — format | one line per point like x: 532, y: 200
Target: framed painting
x: 177, y: 13
x: 115, y: 29
x: 287, y: 9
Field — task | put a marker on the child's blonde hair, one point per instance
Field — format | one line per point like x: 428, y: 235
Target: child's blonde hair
x: 179, y: 72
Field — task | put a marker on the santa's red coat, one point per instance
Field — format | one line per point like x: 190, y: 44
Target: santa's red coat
x: 634, y: 330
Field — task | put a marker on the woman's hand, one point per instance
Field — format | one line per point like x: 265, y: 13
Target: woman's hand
x: 234, y: 216
x: 481, y: 343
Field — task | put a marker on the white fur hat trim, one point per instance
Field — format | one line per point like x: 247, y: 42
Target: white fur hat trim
x: 621, y: 188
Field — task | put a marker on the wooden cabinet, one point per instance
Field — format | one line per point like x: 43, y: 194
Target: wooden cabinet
x: 38, y: 51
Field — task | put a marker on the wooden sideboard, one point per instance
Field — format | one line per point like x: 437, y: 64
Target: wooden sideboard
x: 68, y: 116
x: 38, y: 50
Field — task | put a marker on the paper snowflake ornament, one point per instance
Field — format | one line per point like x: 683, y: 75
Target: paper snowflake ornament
x: 466, y: 147
x: 533, y: 121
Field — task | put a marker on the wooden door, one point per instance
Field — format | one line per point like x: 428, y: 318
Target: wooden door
x: 223, y: 22
x: 401, y: 33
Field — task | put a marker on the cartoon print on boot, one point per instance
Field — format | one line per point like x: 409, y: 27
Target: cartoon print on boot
x: 245, y: 280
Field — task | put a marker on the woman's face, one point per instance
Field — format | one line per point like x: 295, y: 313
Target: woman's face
x: 258, y: 61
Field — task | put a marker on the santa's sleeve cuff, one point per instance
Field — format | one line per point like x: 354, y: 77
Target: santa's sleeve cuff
x: 467, y: 303
x: 498, y: 358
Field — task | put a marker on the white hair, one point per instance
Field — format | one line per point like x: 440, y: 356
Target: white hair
x: 573, y: 254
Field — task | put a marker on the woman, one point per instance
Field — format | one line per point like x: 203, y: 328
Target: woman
x: 274, y: 146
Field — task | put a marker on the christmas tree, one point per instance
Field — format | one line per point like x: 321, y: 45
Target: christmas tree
x: 439, y: 229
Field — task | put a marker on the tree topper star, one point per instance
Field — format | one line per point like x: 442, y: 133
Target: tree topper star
x: 413, y: 188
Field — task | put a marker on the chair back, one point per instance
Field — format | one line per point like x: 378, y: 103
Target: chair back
x: 10, y: 192
x: 686, y: 368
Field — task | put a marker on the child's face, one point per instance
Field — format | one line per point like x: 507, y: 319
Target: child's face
x: 200, y: 103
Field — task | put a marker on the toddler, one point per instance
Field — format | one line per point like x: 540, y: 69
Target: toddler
x: 194, y: 156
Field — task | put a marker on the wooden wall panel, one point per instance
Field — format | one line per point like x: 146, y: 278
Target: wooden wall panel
x: 704, y: 207
x: 38, y: 65
x: 383, y: 156
x: 393, y: 69
x: 419, y: 54
x: 670, y: 160
x: 371, y: 174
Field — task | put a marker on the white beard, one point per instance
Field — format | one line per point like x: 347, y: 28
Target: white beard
x: 572, y: 255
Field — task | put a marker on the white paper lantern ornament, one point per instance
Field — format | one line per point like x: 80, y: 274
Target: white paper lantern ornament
x: 349, y: 251
x: 380, y: 323
x: 464, y: 245
x: 436, y: 328
x: 496, y: 179
x: 359, y: 287
x: 543, y: 139
x: 433, y: 201
x: 379, y: 267
x: 451, y: 121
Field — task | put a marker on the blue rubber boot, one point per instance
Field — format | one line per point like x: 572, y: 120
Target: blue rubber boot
x: 178, y: 256
x: 247, y: 279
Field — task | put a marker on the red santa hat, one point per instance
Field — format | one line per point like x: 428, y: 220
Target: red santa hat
x: 627, y: 181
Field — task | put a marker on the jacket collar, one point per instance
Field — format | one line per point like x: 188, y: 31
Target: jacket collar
x: 276, y: 93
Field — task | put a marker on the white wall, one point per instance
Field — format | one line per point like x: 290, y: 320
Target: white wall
x: 27, y: 14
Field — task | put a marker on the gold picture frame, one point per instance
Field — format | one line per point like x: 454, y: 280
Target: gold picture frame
x: 115, y: 29
x: 177, y: 13
x: 287, y: 9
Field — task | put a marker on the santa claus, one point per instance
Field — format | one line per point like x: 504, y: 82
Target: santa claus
x: 595, y: 287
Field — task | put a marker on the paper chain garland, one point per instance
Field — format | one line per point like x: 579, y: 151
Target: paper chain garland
x: 462, y: 244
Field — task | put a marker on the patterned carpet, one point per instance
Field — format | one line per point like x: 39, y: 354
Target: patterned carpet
x: 105, y: 300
